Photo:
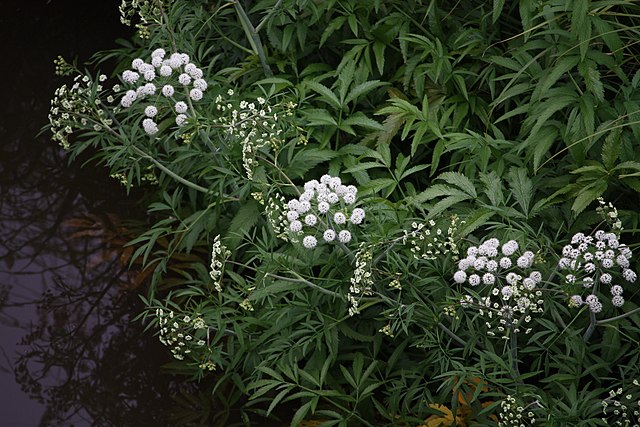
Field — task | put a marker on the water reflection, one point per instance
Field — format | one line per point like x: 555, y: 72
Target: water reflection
x: 64, y: 288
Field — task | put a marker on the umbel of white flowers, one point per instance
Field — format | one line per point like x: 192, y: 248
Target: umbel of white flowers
x: 175, y: 77
x: 323, y: 211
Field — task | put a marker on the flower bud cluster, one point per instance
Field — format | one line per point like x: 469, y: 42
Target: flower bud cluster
x: 253, y: 124
x: 610, y: 214
x: 510, y: 285
x: 589, y: 263
x: 514, y: 414
x: 622, y: 408
x: 173, y: 81
x: 323, y: 212
x: 361, y: 282
x: 219, y: 255
x: 183, y: 334
x: 77, y: 108
x: 427, y: 242
x: 148, y: 11
x: 275, y: 210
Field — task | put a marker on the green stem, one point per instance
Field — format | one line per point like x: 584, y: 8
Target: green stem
x: 622, y: 316
x: 306, y: 282
x: 169, y: 172
x: 254, y: 37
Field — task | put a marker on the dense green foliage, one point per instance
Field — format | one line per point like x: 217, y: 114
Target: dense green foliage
x: 458, y: 122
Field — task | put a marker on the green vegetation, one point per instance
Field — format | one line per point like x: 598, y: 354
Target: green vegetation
x: 421, y: 212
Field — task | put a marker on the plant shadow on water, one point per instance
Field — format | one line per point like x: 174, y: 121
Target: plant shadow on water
x: 64, y: 281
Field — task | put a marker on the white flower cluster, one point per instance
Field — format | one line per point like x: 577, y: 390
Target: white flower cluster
x: 149, y: 78
x: 324, y: 209
x: 514, y: 414
x: 507, y: 277
x: 622, y: 408
x: 180, y: 333
x: 77, y: 108
x: 361, y: 282
x: 427, y: 242
x: 591, y: 262
x: 148, y: 11
x: 219, y: 254
x: 610, y: 214
x: 275, y: 211
x: 254, y: 124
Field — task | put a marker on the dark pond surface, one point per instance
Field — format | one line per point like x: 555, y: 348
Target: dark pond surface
x: 69, y: 351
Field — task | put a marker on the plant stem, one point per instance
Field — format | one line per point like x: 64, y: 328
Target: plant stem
x: 254, y: 37
x: 306, y: 282
x: 169, y: 172
x: 591, y: 328
x: 622, y: 316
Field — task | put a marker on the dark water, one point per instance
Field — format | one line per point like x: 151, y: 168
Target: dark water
x: 69, y: 351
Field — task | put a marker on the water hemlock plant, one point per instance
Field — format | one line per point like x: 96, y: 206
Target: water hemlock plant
x: 365, y: 216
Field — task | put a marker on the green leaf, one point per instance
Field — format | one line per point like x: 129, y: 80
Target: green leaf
x: 545, y: 138
x: 362, y: 89
x: 308, y: 158
x: 301, y: 413
x: 611, y: 148
x: 592, y: 81
x: 460, y: 181
x: 581, y: 25
x: 378, y: 51
x: 319, y: 117
x: 521, y: 187
x: 562, y: 67
x: 476, y: 219
x: 497, y: 10
x: 325, y: 94
x: 588, y: 194
x: 493, y: 187
x: 360, y: 119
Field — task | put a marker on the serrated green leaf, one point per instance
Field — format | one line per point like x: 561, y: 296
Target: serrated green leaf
x: 497, y: 10
x: 493, y: 187
x: 360, y: 119
x: 611, y: 148
x: 301, y: 413
x: 325, y: 94
x: 460, y: 181
x: 378, y: 52
x: 476, y: 219
x: 588, y: 194
x: 521, y: 188
x: 319, y: 117
x: 362, y: 89
x: 562, y: 67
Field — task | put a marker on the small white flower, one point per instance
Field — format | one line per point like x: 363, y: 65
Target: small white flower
x: 195, y: 94
x: 158, y: 53
x: 136, y: 63
x: 130, y: 76
x: 156, y: 61
x: 629, y: 275
x: 149, y: 75
x: 329, y: 235
x: 292, y: 215
x: 616, y: 290
x: 607, y: 263
x: 349, y: 198
x: 150, y: 111
x: 309, y: 242
x: 474, y: 280
x: 180, y: 119
x: 309, y: 185
x: 357, y: 216
x: 459, y: 276
x: 150, y: 127
x: 184, y: 79
x: 332, y: 198
x: 488, y: 279
x: 165, y: 71
x: 167, y: 90
x: 200, y: 84
x: 617, y: 301
x: 505, y: 263
x: 575, y: 301
x: 529, y: 283
x: 506, y: 292
x: 605, y: 278
x: 339, y: 218
x: 510, y: 247
x: 310, y: 220
x: 303, y: 207
x: 295, y: 226
x: 344, y: 236
x: 323, y: 207
x: 180, y: 107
